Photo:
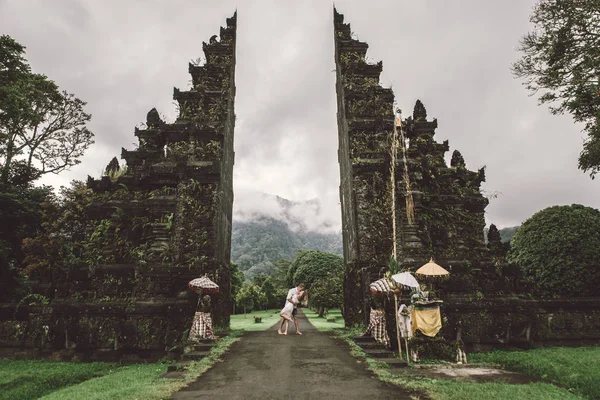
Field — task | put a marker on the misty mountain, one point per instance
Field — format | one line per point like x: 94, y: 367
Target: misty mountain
x: 273, y: 228
x: 298, y: 215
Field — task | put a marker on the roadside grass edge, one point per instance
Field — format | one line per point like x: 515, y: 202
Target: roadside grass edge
x: 144, y: 379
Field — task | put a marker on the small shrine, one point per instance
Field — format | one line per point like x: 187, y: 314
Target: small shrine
x: 418, y: 314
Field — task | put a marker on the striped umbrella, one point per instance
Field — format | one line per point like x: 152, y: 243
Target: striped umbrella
x: 382, y: 286
x: 203, y: 285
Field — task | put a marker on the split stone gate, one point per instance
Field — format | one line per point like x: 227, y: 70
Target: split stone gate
x: 166, y: 219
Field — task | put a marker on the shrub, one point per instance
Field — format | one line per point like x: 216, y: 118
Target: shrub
x: 558, y: 250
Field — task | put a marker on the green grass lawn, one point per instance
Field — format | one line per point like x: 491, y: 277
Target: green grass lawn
x: 246, y: 322
x: 577, y: 369
x: 129, y: 382
x: 53, y: 380
x: 456, y: 390
x: 321, y: 323
x: 31, y: 379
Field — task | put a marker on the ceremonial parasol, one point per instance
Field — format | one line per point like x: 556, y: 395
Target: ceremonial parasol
x: 432, y: 271
x: 405, y: 279
x: 203, y: 285
x: 382, y: 285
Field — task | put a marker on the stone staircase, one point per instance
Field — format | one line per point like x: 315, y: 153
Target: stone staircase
x: 193, y: 351
x: 196, y: 351
x: 379, y: 352
x: 160, y: 232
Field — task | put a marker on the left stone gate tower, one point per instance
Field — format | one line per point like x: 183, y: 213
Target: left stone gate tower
x: 148, y: 229
x: 181, y: 177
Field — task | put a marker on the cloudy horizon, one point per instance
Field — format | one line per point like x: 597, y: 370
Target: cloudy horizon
x: 124, y: 58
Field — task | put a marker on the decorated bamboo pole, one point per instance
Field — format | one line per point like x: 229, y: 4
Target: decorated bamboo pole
x: 410, y: 210
x: 394, y: 153
x: 410, y: 205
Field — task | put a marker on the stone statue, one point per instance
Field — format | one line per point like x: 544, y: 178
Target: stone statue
x: 205, y: 304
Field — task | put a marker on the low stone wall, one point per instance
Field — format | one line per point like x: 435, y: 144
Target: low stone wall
x: 128, y: 331
x: 490, y: 323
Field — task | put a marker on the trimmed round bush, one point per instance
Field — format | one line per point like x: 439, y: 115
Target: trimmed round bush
x: 558, y: 250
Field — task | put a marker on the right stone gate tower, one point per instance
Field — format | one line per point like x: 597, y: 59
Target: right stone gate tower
x: 382, y: 165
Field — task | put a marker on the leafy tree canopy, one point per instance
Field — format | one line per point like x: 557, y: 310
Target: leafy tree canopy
x: 21, y: 214
x: 329, y: 292
x: 558, y: 250
x: 245, y: 297
x: 60, y: 240
x: 42, y: 130
x: 249, y: 297
x: 561, y: 63
x: 498, y: 248
x: 281, y: 271
x: 310, y: 266
x: 237, y: 279
x: 493, y: 234
x: 262, y: 269
x: 268, y: 289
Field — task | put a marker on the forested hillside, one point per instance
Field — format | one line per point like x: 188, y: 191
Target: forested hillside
x: 257, y: 244
x: 506, y: 234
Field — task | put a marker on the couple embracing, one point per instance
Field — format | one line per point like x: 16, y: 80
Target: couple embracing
x: 288, y: 314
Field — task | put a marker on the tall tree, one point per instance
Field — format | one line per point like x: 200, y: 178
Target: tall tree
x: 237, y: 280
x: 259, y: 279
x: 42, y: 130
x: 21, y: 216
x: 329, y: 292
x: 281, y: 270
x: 561, y: 63
x: 248, y: 297
x: 268, y: 289
x: 498, y: 249
x: 310, y: 266
x: 63, y: 236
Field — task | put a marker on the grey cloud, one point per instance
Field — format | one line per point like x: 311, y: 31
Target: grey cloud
x: 124, y: 58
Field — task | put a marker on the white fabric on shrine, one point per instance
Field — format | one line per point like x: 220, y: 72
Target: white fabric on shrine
x: 404, y: 321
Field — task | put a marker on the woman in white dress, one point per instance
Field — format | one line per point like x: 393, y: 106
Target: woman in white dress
x: 286, y: 312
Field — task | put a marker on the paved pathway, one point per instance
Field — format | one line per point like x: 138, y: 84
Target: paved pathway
x: 265, y: 365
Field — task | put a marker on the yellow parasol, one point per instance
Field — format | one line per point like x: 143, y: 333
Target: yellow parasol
x: 431, y: 271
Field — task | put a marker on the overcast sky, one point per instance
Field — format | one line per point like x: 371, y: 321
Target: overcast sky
x: 124, y: 57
